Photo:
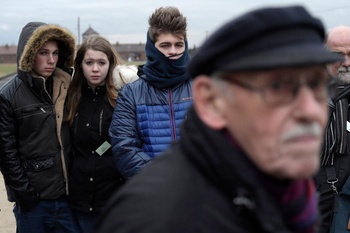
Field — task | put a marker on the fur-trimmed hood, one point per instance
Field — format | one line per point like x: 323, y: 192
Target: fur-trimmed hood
x: 33, y: 37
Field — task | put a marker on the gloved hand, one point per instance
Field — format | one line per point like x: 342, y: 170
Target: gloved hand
x: 26, y: 201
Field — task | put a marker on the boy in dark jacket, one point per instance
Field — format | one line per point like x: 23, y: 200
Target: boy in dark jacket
x: 34, y: 138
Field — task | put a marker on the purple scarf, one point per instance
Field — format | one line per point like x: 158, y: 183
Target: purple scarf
x: 297, y: 200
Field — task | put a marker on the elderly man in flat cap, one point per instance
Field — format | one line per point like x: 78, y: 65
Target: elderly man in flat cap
x: 251, y: 142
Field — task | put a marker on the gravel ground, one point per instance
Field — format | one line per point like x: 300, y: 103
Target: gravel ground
x: 7, y: 220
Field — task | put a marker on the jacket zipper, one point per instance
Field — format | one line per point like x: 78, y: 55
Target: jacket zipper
x: 172, y: 117
x: 100, y: 123
x: 76, y: 123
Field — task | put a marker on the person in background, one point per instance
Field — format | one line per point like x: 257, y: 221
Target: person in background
x: 34, y: 140
x: 338, y: 41
x: 335, y: 154
x: 91, y: 100
x: 250, y: 144
x: 149, y: 111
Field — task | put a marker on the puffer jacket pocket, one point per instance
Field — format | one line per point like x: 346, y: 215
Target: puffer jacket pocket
x: 39, y: 164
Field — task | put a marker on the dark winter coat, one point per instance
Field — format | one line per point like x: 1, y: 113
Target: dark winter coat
x: 202, y: 184
x: 34, y: 139
x: 93, y: 177
x: 340, y: 160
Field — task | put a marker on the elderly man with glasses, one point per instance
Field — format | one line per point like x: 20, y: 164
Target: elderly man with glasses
x: 251, y: 142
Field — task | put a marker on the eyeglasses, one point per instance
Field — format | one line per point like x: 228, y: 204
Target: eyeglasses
x: 284, y: 90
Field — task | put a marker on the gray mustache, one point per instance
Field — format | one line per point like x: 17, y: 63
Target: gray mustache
x: 302, y: 130
x: 344, y: 69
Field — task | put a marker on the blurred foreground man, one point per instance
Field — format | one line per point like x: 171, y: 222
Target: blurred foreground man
x: 251, y: 142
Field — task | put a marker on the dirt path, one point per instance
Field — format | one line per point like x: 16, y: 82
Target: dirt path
x: 7, y: 220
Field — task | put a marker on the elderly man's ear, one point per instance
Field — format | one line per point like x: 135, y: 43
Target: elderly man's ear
x: 208, y: 102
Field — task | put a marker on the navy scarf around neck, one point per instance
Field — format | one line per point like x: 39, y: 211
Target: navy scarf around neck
x: 163, y: 72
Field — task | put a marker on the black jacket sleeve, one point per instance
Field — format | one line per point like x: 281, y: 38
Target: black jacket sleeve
x: 20, y: 190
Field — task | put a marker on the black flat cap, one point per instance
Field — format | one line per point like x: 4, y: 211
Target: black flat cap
x: 265, y: 38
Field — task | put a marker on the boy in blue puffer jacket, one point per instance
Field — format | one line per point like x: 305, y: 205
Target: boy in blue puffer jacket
x: 150, y: 110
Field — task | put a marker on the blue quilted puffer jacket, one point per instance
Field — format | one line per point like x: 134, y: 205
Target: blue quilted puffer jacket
x: 146, y: 121
x: 150, y: 110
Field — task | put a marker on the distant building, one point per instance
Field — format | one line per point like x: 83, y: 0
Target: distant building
x: 131, y: 52
x: 8, y: 54
x: 128, y: 52
x: 89, y: 32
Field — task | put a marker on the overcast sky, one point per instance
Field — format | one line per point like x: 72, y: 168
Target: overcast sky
x: 125, y: 21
